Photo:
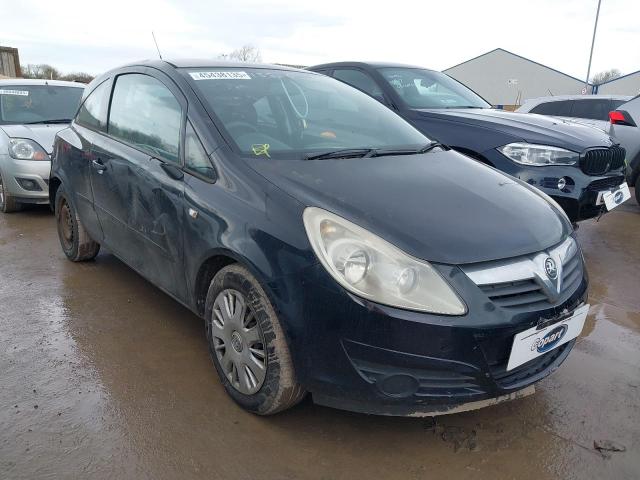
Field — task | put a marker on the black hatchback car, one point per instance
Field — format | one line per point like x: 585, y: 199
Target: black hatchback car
x: 329, y: 246
x: 577, y: 165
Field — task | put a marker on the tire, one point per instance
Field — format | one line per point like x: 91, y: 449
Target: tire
x: 257, y: 329
x: 76, y: 243
x: 637, y: 188
x: 7, y: 202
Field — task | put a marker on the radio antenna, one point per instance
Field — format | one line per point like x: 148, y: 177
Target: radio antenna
x: 156, y: 42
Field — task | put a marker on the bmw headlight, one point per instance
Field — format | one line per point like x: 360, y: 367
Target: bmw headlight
x: 538, y: 155
x: 372, y: 268
x: 25, y: 149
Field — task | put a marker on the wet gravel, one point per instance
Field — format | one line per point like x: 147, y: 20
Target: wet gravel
x: 104, y: 376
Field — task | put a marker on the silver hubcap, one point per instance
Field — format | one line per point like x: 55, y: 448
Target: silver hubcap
x: 1, y: 192
x: 238, y: 343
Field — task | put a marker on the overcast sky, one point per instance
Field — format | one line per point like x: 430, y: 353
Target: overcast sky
x: 93, y: 36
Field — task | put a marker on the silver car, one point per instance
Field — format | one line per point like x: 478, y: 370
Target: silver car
x: 31, y: 113
x: 592, y: 110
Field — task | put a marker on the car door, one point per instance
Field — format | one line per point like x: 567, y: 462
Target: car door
x: 90, y: 123
x: 137, y: 177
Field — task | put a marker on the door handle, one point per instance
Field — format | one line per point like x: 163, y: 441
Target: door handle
x: 98, y: 165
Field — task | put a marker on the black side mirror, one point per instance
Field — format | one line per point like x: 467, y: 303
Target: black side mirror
x: 173, y: 171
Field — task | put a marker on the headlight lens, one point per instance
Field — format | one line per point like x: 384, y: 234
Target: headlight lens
x: 372, y: 268
x: 25, y: 149
x: 538, y: 155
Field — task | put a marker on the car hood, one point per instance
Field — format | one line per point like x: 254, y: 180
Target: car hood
x: 440, y: 206
x: 529, y: 127
x: 41, y: 134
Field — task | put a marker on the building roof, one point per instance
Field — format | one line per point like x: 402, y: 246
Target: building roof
x: 515, y: 55
x: 619, y: 78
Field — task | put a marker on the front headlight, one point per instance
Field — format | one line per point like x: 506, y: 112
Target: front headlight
x: 372, y: 268
x: 538, y: 155
x: 25, y: 149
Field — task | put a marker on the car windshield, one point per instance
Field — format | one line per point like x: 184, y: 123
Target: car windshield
x: 428, y: 89
x: 37, y: 103
x: 297, y: 114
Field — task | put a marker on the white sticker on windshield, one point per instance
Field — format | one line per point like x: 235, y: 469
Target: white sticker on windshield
x: 22, y: 93
x: 220, y: 75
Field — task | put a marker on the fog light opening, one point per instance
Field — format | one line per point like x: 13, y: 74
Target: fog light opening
x: 29, y: 184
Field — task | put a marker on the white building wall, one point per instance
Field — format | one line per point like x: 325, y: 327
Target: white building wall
x: 627, y: 85
x: 502, y: 77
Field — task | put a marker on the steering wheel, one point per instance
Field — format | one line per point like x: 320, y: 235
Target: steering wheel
x: 241, y: 127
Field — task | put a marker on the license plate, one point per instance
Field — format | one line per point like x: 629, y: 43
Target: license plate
x: 532, y: 343
x: 615, y: 197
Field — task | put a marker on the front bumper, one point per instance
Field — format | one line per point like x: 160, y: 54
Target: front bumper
x: 26, y: 180
x: 356, y: 355
x: 578, y: 198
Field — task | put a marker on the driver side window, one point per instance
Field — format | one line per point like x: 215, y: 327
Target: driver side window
x: 145, y: 114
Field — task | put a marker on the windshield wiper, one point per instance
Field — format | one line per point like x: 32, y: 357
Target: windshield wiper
x: 342, y: 153
x: 380, y: 152
x: 55, y: 120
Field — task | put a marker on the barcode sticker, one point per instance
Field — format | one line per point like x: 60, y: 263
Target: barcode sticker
x: 22, y: 93
x: 228, y: 75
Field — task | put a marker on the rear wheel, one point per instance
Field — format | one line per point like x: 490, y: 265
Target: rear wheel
x: 7, y: 202
x: 247, y: 344
x: 76, y: 243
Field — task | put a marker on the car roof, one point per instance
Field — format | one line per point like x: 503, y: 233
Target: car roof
x: 366, y: 64
x: 33, y: 81
x: 557, y: 98
x: 205, y: 63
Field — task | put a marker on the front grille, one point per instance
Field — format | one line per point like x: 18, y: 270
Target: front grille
x: 522, y: 283
x: 599, y: 161
x: 524, y: 373
x: 605, y: 183
x: 515, y: 294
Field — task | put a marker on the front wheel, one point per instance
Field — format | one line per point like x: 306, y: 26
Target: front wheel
x: 7, y: 202
x: 76, y: 243
x: 247, y: 344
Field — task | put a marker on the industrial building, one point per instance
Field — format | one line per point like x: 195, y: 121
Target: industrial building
x: 626, y: 85
x: 506, y: 80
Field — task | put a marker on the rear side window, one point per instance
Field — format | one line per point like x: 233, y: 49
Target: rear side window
x: 196, y: 159
x: 616, y: 103
x: 93, y: 112
x: 594, y: 109
x: 145, y: 114
x: 561, y: 108
x: 360, y: 80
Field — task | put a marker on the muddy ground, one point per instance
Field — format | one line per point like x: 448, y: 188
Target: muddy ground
x: 104, y: 376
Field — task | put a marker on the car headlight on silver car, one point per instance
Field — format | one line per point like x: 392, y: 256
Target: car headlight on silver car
x: 25, y: 149
x: 372, y: 268
x: 539, y: 155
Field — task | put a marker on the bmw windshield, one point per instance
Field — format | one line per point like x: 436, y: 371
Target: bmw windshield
x: 298, y: 115
x: 24, y: 104
x: 428, y: 89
